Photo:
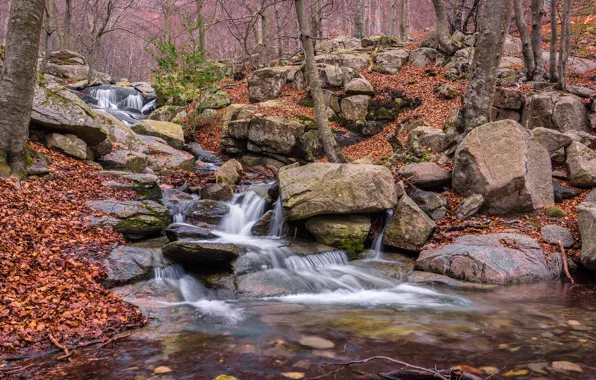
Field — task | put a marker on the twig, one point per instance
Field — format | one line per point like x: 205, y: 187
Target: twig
x: 113, y: 339
x: 327, y: 374
x: 67, y: 353
x: 10, y: 371
x: 463, y: 226
x: 565, y: 266
x: 433, y: 372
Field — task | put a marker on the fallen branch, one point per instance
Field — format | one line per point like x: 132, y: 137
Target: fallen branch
x: 13, y: 370
x: 565, y: 266
x: 67, y: 354
x: 463, y: 226
x: 113, y: 339
x: 435, y: 374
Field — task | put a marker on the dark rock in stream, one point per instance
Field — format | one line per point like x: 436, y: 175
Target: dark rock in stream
x: 196, y: 254
x: 180, y: 231
x: 206, y: 212
x: 126, y: 265
x: 262, y: 226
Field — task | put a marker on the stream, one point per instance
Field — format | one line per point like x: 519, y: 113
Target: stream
x: 337, y: 311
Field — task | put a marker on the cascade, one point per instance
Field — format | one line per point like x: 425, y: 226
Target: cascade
x: 277, y: 220
x: 377, y: 245
x: 125, y: 103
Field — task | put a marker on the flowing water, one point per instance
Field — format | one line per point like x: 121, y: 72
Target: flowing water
x: 125, y: 103
x: 355, y: 311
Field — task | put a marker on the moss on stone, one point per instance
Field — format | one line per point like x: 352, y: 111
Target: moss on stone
x: 555, y: 212
x: 306, y: 102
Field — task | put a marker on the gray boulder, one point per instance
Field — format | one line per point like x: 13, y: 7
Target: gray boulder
x: 508, y: 98
x: 120, y: 133
x: 428, y: 136
x: 352, y: 59
x: 205, y: 212
x: 228, y: 173
x: 581, y: 162
x: 344, y: 232
x: 68, y: 144
x: 274, y: 134
x: 55, y: 109
x: 551, y: 139
x: 162, y: 157
x: 195, y: 254
x: 217, y: 192
x: 409, y: 228
x: 67, y: 64
x: 333, y: 76
x: 586, y: 219
x: 171, y: 133
x: 426, y: 175
x: 423, y: 56
x: 181, y: 231
x: 126, y: 265
x: 563, y: 192
x: 494, y: 259
x: 431, y: 203
x: 469, y: 207
x: 145, y: 185
x: 122, y: 159
x: 586, y: 138
x: 390, y: 61
x: 553, y: 110
x: 359, y: 86
x: 266, y: 84
x: 446, y: 91
x: 325, y: 188
x: 500, y: 162
x: 354, y: 108
x: 134, y: 219
x: 552, y: 234
x: 337, y: 43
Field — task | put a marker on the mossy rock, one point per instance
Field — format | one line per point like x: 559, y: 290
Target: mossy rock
x: 555, y: 212
x: 346, y: 232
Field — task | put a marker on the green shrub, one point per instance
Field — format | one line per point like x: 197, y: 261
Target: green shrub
x: 555, y: 212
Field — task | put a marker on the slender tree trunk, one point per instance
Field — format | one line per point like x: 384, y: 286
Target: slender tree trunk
x: 480, y: 93
x: 443, y: 27
x: 553, y: 42
x: 266, y: 33
x: 528, y: 53
x: 358, y: 27
x: 537, y: 13
x: 367, y: 17
x: 201, y: 22
x: 317, y: 19
x: 458, y: 10
x: 404, y: 25
x: 68, y: 43
x: 168, y: 14
x: 17, y: 84
x: 400, y: 6
x: 47, y: 33
x: 92, y: 59
x: 390, y: 18
x: 329, y: 144
x: 565, y: 45
x: 280, y: 44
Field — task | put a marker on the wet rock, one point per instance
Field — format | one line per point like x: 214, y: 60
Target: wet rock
x: 69, y: 144
x: 359, y: 86
x: 563, y: 192
x: 195, y: 254
x: 171, y: 133
x: 581, y: 162
x: 552, y: 234
x: 469, y: 207
x: 126, y: 265
x: 344, y: 232
x: 181, y: 231
x: 553, y: 110
x: 409, y: 227
x: 390, y: 61
x: 122, y: 159
x: 228, y: 173
x: 423, y: 56
x: 494, y: 258
x: 565, y: 367
x: 206, y: 212
x: 217, y: 192
x: 55, y: 109
x: 524, y: 184
x: 434, y: 278
x: 266, y: 84
x: 431, y: 203
x: 316, y: 342
x: 203, y: 155
x: 586, y: 219
x: 549, y: 138
x: 134, y: 219
x: 393, y: 265
x: 162, y: 157
x: 426, y: 175
x: 322, y: 188
x: 262, y: 226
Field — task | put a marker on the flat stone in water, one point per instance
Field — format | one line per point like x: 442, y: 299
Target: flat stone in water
x: 564, y: 367
x: 316, y: 342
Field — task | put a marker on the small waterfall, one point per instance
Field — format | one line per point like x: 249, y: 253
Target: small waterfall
x: 320, y: 260
x: 134, y: 101
x: 125, y: 103
x: 149, y: 107
x: 245, y: 211
x: 377, y: 245
x: 277, y: 221
x: 107, y: 98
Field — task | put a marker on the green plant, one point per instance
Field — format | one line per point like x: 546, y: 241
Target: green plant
x: 555, y: 212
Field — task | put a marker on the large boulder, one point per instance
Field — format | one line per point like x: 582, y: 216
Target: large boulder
x: 120, y: 133
x: 390, y: 61
x: 354, y: 108
x: 214, y: 101
x: 68, y: 144
x: 322, y: 188
x: 426, y: 175
x: 66, y: 64
x: 205, y: 212
x: 337, y: 43
x: 431, y: 203
x: 126, y: 265
x: 266, y: 84
x: 429, y: 137
x: 145, y: 185
x: 409, y: 228
x: 274, y: 134
x: 359, y: 86
x: 195, y: 254
x: 55, y: 109
x: 344, y: 232
x: 500, y: 162
x: 333, y: 76
x: 508, y: 98
x: 352, y: 59
x: 228, y: 173
x: 493, y: 258
x: 553, y: 110
x: 181, y: 231
x: 549, y: 138
x: 162, y: 157
x: 581, y: 162
x: 423, y: 56
x: 586, y: 219
x: 134, y: 219
x: 122, y: 159
x: 170, y: 132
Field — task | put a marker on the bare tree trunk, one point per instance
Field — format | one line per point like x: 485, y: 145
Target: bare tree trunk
x: 553, y: 42
x: 367, y: 17
x: 91, y: 60
x: 266, y: 35
x: 329, y: 144
x: 390, y: 18
x: 443, y: 28
x: 458, y: 10
x: 201, y: 22
x: 280, y: 44
x: 479, y: 97
x: 47, y: 37
x: 317, y: 19
x: 17, y: 84
x: 565, y: 45
x: 68, y: 43
x: 528, y: 53
x: 537, y: 13
x: 358, y: 28
x: 404, y: 25
x: 168, y: 14
x: 400, y: 6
